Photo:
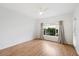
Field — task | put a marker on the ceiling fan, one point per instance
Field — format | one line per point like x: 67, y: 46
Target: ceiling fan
x: 42, y: 10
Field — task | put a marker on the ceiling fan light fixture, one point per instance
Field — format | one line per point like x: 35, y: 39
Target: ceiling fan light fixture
x: 41, y: 13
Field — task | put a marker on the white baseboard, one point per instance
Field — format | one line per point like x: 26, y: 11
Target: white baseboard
x: 76, y: 50
x: 13, y: 44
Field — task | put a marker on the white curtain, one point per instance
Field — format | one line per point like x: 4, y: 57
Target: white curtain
x: 41, y: 31
x: 61, y: 33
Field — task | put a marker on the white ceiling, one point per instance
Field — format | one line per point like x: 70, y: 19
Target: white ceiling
x: 48, y: 9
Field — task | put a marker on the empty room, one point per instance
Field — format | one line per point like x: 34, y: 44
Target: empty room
x: 39, y: 29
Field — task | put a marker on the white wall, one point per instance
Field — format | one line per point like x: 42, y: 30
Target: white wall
x: 76, y: 29
x: 68, y: 25
x: 15, y: 28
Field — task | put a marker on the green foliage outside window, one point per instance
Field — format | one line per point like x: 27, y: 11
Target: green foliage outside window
x: 51, y: 31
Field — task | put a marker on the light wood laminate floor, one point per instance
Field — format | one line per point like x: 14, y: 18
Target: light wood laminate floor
x: 39, y: 48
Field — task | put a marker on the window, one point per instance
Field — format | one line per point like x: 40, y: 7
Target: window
x: 51, y: 30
